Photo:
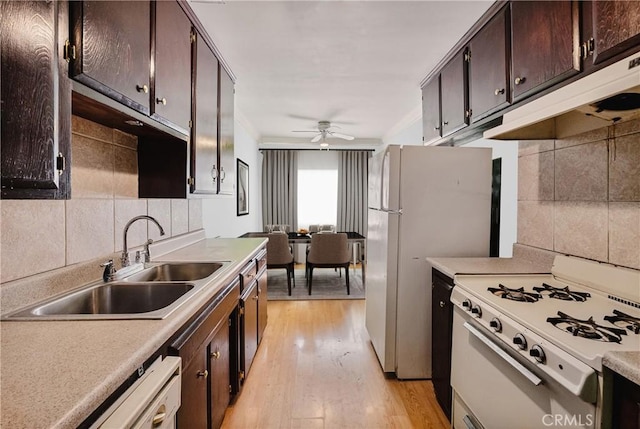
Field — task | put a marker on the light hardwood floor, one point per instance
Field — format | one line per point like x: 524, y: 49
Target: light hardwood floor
x: 316, y: 368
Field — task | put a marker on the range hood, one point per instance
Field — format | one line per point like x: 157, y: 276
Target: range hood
x: 606, y: 97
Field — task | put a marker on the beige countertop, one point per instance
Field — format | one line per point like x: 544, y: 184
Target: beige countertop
x: 627, y: 364
x: 54, y: 374
x: 453, y: 266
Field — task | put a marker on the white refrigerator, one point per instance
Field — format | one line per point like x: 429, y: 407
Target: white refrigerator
x: 423, y: 202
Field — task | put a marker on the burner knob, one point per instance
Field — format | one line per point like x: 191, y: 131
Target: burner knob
x: 496, y: 325
x: 520, y: 341
x: 537, y: 352
x: 476, y: 311
x: 466, y: 304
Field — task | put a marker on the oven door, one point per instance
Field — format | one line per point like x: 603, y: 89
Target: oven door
x: 502, y: 390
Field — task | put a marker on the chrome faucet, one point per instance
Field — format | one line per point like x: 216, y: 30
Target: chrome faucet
x: 125, y: 250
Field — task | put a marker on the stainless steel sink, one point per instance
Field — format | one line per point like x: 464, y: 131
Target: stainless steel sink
x: 153, y: 293
x: 109, y: 300
x: 176, y: 271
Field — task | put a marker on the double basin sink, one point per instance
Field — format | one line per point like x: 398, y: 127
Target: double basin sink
x: 152, y: 293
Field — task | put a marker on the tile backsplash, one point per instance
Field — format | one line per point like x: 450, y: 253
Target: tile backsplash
x: 581, y: 195
x: 43, y: 235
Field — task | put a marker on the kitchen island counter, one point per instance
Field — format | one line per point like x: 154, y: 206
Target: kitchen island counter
x: 56, y: 373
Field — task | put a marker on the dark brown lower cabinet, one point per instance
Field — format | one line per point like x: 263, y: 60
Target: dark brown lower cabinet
x: 249, y: 325
x: 442, y: 314
x: 262, y: 303
x: 626, y: 403
x: 219, y: 361
x: 204, y: 346
x: 195, y: 376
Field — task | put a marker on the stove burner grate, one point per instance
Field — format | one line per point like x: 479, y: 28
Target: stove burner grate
x: 563, y: 293
x: 624, y: 320
x: 586, y: 328
x: 515, y: 294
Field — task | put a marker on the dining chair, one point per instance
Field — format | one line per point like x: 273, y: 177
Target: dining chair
x: 328, y: 251
x: 280, y: 255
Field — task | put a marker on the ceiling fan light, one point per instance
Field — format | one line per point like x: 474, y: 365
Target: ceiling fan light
x: 324, y: 144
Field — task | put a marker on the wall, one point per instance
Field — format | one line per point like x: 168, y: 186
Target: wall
x: 581, y: 195
x: 410, y: 134
x: 508, y: 151
x: 219, y: 214
x: 42, y: 235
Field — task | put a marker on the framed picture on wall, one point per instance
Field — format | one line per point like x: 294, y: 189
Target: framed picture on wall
x: 242, y: 188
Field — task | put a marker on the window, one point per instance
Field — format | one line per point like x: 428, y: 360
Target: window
x: 317, y: 188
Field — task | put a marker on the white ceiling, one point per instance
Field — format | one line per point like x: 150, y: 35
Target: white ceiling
x: 357, y: 64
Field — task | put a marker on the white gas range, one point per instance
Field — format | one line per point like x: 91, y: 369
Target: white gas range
x: 527, y: 349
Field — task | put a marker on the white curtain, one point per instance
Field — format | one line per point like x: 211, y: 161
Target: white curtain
x: 352, y: 191
x: 280, y: 188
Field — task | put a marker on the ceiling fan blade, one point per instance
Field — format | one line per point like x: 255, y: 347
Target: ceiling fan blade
x: 341, y: 136
x: 316, y: 138
x: 304, y: 131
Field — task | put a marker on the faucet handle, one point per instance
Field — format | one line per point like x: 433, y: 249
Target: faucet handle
x: 147, y: 253
x: 109, y: 270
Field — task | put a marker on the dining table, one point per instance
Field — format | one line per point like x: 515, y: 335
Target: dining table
x: 355, y: 239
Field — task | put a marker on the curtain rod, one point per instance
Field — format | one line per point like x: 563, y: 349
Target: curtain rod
x: 324, y: 150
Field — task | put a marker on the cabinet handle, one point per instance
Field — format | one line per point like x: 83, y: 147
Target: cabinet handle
x: 436, y: 128
x: 256, y: 298
x: 520, y: 80
x: 441, y: 304
x: 143, y: 88
x: 499, y: 91
x: 162, y: 101
x: 159, y: 418
x: 216, y: 354
x: 223, y: 174
x: 446, y: 123
x: 214, y: 173
x: 202, y: 374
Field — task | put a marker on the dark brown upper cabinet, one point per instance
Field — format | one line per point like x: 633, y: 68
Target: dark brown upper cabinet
x: 226, y: 135
x: 431, y: 110
x: 113, y: 49
x: 35, y: 97
x: 613, y: 27
x: 489, y: 88
x: 544, y: 44
x: 453, y: 92
x: 171, y: 97
x: 204, y: 134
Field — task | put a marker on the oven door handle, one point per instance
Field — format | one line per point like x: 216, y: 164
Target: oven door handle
x: 504, y: 355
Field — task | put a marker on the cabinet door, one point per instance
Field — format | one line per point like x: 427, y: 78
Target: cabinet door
x: 616, y: 27
x: 489, y: 68
x: 35, y: 108
x: 172, y: 89
x: 219, y: 364
x: 262, y: 304
x: 542, y: 44
x: 204, y: 134
x: 113, y: 46
x: 431, y: 110
x: 453, y: 95
x: 442, y: 314
x: 195, y: 377
x: 250, y: 326
x: 226, y: 141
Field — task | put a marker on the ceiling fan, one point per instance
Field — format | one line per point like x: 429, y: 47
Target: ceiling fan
x: 324, y: 131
